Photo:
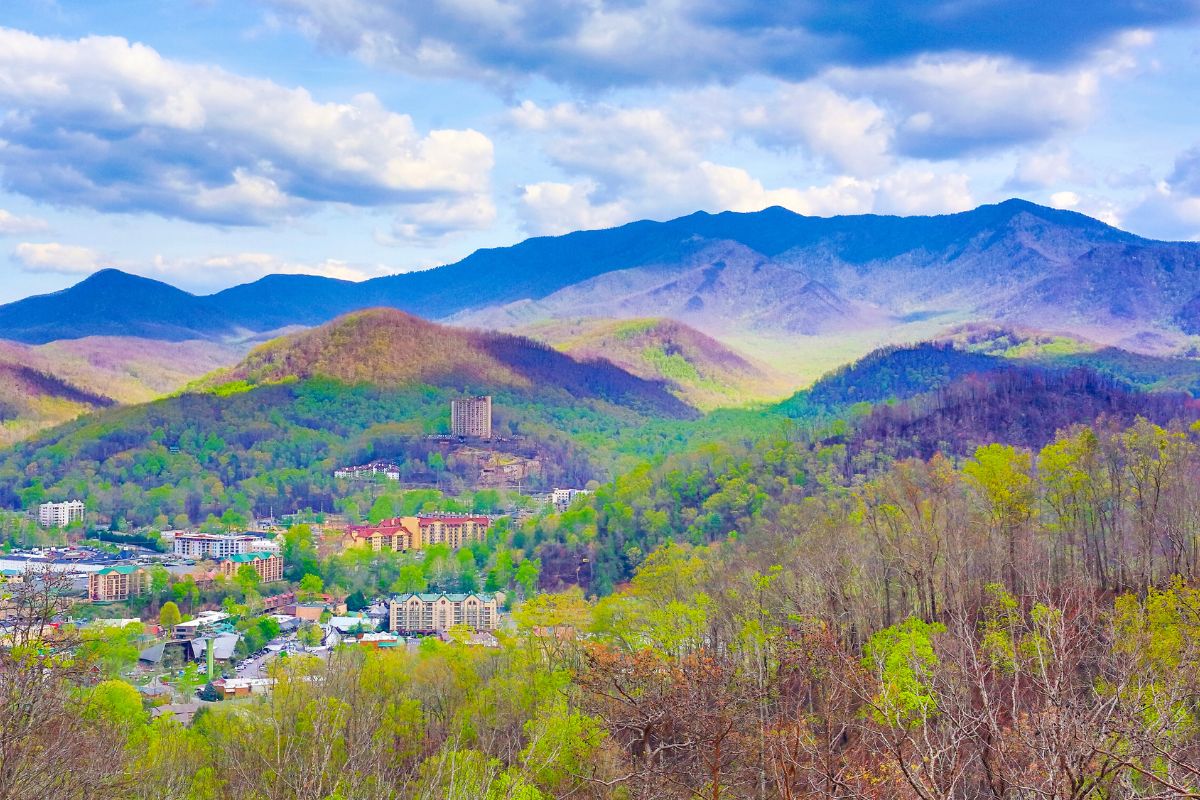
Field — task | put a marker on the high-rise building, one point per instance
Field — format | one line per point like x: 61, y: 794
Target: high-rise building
x: 471, y: 417
x: 220, y: 545
x: 60, y: 515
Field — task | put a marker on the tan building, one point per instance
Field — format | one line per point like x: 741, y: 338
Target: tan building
x: 114, y: 584
x: 397, y: 535
x: 269, y: 566
x: 471, y: 417
x: 437, y: 613
x: 452, y: 529
x: 401, y: 534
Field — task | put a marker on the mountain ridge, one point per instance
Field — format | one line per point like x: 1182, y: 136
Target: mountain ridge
x: 769, y: 273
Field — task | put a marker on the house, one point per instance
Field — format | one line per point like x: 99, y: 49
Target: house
x: 242, y: 687
x: 269, y: 566
x: 115, y: 584
x: 437, y: 613
x: 341, y: 629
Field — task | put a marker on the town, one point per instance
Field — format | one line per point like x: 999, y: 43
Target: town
x: 194, y: 616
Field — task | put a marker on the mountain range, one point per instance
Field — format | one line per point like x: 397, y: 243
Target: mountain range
x: 740, y: 277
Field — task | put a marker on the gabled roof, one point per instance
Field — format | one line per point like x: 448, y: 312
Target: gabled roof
x: 245, y: 558
x: 123, y: 569
x: 453, y: 597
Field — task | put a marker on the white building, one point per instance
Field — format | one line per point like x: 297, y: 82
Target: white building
x: 216, y: 545
x: 60, y: 515
x: 471, y: 417
x: 561, y: 499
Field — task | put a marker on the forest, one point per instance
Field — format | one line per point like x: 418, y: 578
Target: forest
x: 1013, y: 623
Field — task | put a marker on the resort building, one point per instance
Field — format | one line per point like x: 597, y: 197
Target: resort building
x: 60, y: 515
x: 437, y: 613
x: 115, y: 584
x: 471, y: 417
x: 269, y: 566
x: 400, y: 534
x: 397, y: 535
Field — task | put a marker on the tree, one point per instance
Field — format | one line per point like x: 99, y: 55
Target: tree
x: 169, y: 616
x: 311, y: 585
x: 411, y: 578
x: 247, y: 578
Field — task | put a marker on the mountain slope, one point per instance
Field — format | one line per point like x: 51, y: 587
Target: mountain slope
x: 771, y: 273
x: 699, y: 369
x: 48, y: 384
x: 386, y: 347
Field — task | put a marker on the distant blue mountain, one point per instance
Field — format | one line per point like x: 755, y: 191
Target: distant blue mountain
x: 768, y: 271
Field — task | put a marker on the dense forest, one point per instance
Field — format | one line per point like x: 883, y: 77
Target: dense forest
x: 1011, y: 624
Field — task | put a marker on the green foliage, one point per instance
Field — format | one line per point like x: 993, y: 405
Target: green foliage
x: 902, y: 657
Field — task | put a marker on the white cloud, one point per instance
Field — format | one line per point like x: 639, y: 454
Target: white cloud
x: 853, y: 134
x: 1046, y: 168
x: 11, y: 224
x: 113, y: 125
x: 627, y: 163
x: 221, y: 270
x: 64, y: 259
x: 945, y: 106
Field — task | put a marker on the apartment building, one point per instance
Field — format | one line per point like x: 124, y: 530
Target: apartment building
x: 455, y: 530
x: 437, y: 613
x: 216, y: 545
x: 115, y: 584
x: 269, y: 566
x: 471, y: 417
x: 60, y: 515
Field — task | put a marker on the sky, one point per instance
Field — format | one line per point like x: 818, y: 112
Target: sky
x: 210, y: 142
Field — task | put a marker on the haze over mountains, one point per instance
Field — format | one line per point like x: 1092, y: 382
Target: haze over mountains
x: 772, y: 273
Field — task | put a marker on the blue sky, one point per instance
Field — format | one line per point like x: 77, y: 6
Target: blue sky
x: 209, y: 142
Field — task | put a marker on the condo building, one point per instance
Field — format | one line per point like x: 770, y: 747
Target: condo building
x: 471, y: 417
x: 218, y: 545
x: 60, y: 515
x: 437, y: 613
x: 269, y: 566
x: 114, y: 584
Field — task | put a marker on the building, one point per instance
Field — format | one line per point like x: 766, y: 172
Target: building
x: 400, y: 534
x: 437, y: 613
x: 397, y: 535
x: 216, y: 545
x: 455, y: 530
x: 376, y: 469
x: 60, y: 515
x: 269, y: 566
x: 471, y: 417
x: 242, y: 687
x: 202, y: 623
x: 114, y: 584
x: 561, y: 499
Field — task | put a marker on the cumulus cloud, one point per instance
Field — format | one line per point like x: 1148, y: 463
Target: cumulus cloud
x: 62, y: 259
x: 1171, y: 209
x: 222, y: 270
x: 628, y: 42
x: 628, y: 163
x: 944, y: 107
x: 112, y: 125
x: 11, y: 224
